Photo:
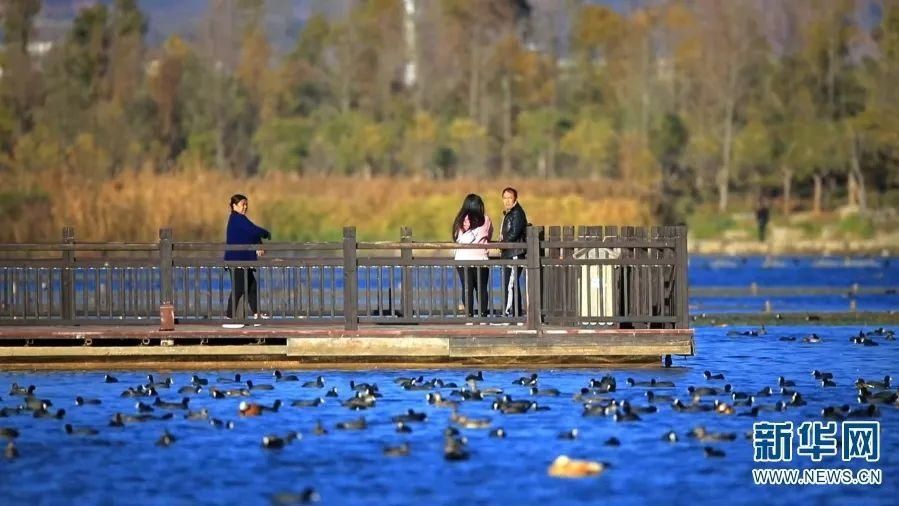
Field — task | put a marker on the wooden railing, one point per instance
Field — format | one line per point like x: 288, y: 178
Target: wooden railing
x: 627, y: 277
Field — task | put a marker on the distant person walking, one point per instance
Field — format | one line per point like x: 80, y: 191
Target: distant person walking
x: 243, y: 279
x: 513, y: 230
x: 762, y: 213
x: 473, y: 226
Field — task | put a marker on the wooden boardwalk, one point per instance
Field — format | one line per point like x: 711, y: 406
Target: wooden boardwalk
x: 206, y: 346
x: 585, y: 295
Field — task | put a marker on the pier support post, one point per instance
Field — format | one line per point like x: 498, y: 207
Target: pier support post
x: 68, y: 276
x: 350, y: 280
x: 406, y: 277
x: 535, y: 306
x: 166, y: 289
x: 680, y: 278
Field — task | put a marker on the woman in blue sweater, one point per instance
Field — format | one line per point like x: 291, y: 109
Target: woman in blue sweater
x: 243, y: 231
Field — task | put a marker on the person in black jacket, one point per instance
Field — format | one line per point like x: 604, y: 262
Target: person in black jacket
x: 243, y: 231
x: 515, y: 224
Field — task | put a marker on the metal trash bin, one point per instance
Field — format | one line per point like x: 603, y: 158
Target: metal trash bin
x: 596, y: 287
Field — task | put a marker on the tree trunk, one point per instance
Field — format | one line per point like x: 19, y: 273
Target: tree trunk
x: 506, y: 151
x: 474, y: 80
x: 819, y: 187
x: 851, y: 189
x: 724, y: 173
x: 788, y: 185
x: 855, y: 172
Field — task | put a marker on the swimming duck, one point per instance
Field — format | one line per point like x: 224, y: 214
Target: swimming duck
x: 281, y: 377
x: 545, y: 392
x: 402, y: 379
x: 319, y: 429
x: 201, y: 414
x: 605, y: 384
x: 15, y: 389
x: 410, y: 416
x: 234, y: 379
x: 654, y: 383
x: 109, y: 379
x: 700, y: 433
x: 694, y: 407
x: 400, y: 450
x: 142, y: 407
x: 198, y: 381
x: 437, y: 400
x: 11, y: 451
x: 307, y: 496
x: 713, y: 452
x: 797, y: 400
x: 709, y: 376
x: 654, y: 397
x: 220, y: 424
x: 869, y: 411
x: 252, y: 386
x: 812, y: 338
x: 159, y: 403
x: 332, y: 392
x: 612, y: 441
x: 498, y: 432
x: 528, y: 381
x: 166, y: 439
x: 358, y: 424
x: 865, y: 396
x: 249, y: 409
x: 454, y: 449
x: 318, y: 401
x: 273, y: 442
x: 783, y: 382
x: 165, y: 383
x: 319, y: 382
x: 468, y: 422
x: 43, y: 413
x: 9, y: 433
x: 565, y: 467
x: 190, y: 389
x: 670, y: 437
x: 625, y: 416
x: 568, y: 434
x: 723, y: 408
x: 828, y: 383
x: 702, y: 391
x: 479, y: 376
x: 887, y: 380
x: 402, y: 428
x: 820, y: 375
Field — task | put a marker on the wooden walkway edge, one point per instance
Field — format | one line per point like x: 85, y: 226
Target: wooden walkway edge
x: 271, y: 345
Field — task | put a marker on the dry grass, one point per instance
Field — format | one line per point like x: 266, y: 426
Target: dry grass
x: 134, y: 205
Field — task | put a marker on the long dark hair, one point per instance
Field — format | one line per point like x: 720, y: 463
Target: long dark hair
x: 235, y: 199
x: 473, y: 207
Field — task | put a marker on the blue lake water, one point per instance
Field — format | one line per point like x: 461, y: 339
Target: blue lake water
x: 218, y: 466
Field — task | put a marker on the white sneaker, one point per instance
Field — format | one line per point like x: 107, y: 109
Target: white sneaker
x: 233, y: 325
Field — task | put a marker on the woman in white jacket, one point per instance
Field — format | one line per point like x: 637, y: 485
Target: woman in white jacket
x: 473, y: 226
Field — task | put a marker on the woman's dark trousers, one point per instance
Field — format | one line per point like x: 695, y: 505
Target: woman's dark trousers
x: 475, y: 279
x: 243, y: 281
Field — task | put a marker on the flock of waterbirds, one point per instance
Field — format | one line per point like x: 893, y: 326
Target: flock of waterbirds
x: 162, y: 399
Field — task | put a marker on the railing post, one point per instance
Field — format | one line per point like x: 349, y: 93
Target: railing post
x: 166, y: 276
x: 350, y: 280
x: 68, y: 276
x: 406, y: 277
x: 535, y: 307
x: 680, y: 278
